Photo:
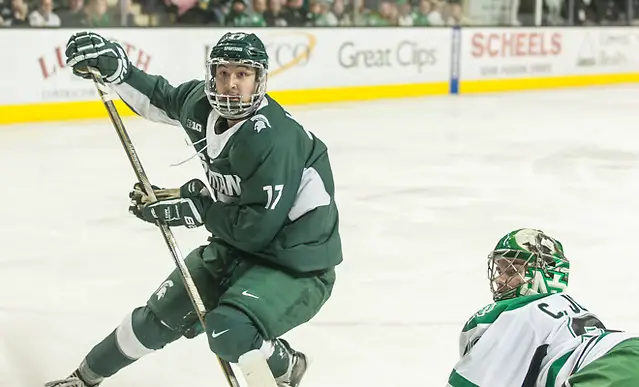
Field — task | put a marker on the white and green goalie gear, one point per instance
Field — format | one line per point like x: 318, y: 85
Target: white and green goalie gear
x: 531, y: 341
x: 527, y: 262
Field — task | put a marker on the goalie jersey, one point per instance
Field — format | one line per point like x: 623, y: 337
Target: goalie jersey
x: 538, y: 340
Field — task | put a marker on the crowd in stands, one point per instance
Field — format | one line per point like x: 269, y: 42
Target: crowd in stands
x: 579, y: 12
x: 73, y: 13
x: 293, y: 13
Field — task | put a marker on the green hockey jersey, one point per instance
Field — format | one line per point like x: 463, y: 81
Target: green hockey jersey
x: 272, y: 181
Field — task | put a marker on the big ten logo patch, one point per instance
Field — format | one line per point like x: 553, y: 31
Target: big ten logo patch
x: 193, y: 125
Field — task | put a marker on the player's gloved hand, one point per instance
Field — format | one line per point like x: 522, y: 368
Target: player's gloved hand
x: 139, y: 197
x: 186, y: 210
x: 88, y: 49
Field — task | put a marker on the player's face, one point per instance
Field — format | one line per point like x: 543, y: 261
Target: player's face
x: 509, y: 274
x: 235, y: 80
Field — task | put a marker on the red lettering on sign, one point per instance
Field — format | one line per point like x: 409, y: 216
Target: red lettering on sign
x: 47, y: 68
x: 143, y: 61
x: 516, y: 44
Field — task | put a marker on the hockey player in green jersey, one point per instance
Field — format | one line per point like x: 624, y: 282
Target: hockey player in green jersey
x: 269, y: 264
x: 535, y: 334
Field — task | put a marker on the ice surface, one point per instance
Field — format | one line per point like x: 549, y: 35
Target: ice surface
x: 425, y: 187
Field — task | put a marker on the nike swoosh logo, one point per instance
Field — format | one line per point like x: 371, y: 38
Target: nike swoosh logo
x: 246, y: 293
x: 215, y: 335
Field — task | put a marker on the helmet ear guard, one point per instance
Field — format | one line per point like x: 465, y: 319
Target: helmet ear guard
x: 527, y: 262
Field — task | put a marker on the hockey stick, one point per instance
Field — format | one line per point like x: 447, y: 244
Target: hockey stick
x: 192, y: 291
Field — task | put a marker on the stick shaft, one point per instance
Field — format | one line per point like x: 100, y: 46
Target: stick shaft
x: 171, y: 243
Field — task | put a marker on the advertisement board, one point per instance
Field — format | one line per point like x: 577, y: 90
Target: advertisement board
x: 303, y: 59
x: 606, y: 50
x: 310, y: 65
x: 511, y: 53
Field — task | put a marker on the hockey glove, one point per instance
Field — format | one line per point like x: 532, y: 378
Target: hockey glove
x: 186, y: 210
x: 88, y: 49
x: 139, y: 197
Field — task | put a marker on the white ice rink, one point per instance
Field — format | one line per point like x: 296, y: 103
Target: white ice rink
x: 426, y: 187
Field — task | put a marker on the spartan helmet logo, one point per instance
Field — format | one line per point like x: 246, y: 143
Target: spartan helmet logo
x: 261, y: 122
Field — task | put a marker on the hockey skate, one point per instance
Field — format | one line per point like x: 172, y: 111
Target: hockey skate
x: 74, y: 380
x: 300, y: 364
x: 71, y: 381
x: 81, y: 377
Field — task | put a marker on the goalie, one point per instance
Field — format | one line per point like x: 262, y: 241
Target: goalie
x: 535, y: 334
x: 269, y: 264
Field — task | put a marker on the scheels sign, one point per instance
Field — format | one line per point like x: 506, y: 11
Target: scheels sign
x: 516, y: 44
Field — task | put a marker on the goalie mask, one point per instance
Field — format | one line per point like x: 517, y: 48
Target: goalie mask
x: 527, y: 262
x: 236, y: 49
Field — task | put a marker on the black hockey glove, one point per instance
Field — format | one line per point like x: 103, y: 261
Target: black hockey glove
x: 183, y: 207
x: 86, y: 49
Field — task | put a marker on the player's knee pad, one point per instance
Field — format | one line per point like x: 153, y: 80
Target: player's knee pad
x: 231, y: 333
x: 141, y: 333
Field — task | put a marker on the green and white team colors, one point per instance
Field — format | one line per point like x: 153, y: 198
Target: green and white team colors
x: 533, y: 341
x: 277, y: 172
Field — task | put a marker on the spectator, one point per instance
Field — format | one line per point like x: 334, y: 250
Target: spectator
x: 359, y: 12
x: 239, y: 17
x: 584, y: 12
x: 426, y: 15
x: 295, y: 14
x: 456, y: 16
x: 405, y: 14
x: 98, y: 14
x: 5, y: 13
x: 609, y: 11
x: 259, y: 7
x: 72, y: 15
x: 195, y: 12
x: 16, y: 14
x: 129, y: 18
x: 337, y: 17
x: 319, y: 13
x: 44, y: 16
x: 274, y: 16
x: 384, y: 15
